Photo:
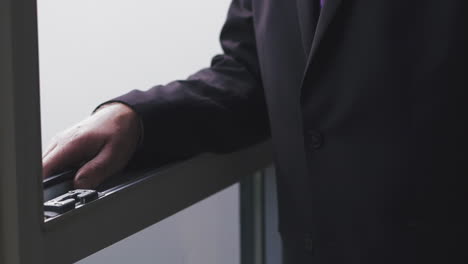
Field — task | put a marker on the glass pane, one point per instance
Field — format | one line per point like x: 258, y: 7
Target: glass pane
x: 91, y: 51
x: 207, y: 232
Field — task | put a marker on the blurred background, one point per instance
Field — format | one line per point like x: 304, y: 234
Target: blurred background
x: 93, y: 50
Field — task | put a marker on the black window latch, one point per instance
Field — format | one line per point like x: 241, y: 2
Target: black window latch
x: 69, y: 201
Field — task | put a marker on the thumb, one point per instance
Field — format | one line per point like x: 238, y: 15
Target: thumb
x: 95, y: 171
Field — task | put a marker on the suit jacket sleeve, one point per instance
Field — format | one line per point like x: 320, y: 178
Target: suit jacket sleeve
x: 218, y: 109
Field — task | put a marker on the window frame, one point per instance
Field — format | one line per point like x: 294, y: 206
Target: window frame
x: 24, y: 236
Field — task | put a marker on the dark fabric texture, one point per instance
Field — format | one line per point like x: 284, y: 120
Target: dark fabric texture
x: 367, y: 113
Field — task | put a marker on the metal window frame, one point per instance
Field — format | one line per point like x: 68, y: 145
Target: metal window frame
x: 24, y: 237
x: 252, y: 203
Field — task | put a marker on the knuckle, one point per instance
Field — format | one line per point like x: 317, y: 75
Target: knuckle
x: 81, y: 138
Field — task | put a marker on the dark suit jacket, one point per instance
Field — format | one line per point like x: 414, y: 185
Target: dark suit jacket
x: 367, y: 115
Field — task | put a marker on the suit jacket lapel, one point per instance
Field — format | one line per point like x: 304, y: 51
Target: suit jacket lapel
x: 327, y: 14
x: 311, y: 37
x: 306, y: 15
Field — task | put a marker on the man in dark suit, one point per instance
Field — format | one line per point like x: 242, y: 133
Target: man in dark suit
x: 365, y: 104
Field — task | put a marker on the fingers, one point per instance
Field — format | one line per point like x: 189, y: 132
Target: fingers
x: 95, y: 171
x: 92, y: 143
x: 57, y: 159
x: 63, y: 156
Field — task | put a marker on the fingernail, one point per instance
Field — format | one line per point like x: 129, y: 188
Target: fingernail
x: 82, y: 182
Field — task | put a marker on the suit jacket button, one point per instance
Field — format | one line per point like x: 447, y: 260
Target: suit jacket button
x: 315, y: 139
x: 309, y: 243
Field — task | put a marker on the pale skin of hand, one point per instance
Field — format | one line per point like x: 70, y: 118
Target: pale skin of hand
x: 100, y: 146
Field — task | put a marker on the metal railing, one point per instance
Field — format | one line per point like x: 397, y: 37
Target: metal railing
x: 154, y: 196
